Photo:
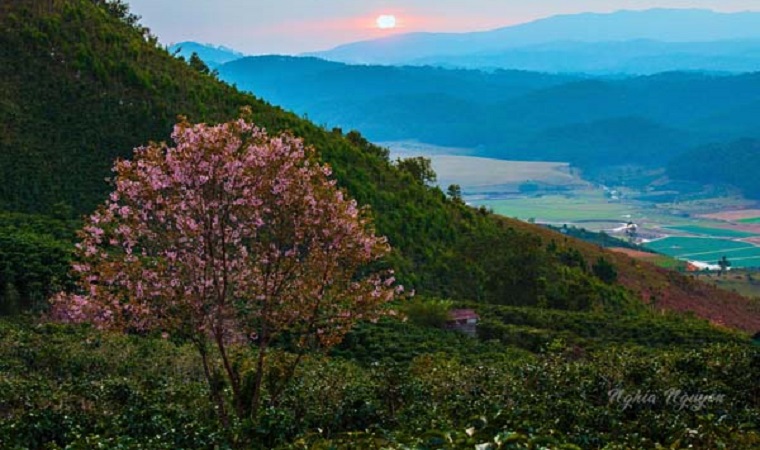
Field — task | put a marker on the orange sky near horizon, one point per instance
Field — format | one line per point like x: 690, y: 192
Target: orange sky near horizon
x: 297, y: 26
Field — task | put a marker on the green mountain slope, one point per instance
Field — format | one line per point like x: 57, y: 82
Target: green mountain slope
x: 735, y: 163
x: 82, y: 85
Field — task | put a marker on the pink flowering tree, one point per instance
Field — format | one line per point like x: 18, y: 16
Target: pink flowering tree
x: 230, y: 237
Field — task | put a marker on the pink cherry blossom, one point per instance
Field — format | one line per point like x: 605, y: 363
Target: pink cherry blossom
x: 230, y: 234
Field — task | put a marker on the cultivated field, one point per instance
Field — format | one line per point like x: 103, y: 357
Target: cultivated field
x: 708, y: 250
x: 486, y: 175
x: 586, y: 208
x: 687, y: 228
x: 740, y: 215
x: 712, y: 232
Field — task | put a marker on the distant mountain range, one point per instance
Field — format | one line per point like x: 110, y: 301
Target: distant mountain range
x: 591, y: 122
x: 641, y: 42
x: 210, y: 54
x: 641, y: 57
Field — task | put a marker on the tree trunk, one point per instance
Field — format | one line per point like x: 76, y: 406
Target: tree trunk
x: 258, y: 381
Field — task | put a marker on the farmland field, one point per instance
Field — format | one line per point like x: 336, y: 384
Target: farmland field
x: 708, y: 250
x: 715, y: 232
x: 738, y: 215
x: 584, y: 206
x: 476, y: 174
x: 558, y: 195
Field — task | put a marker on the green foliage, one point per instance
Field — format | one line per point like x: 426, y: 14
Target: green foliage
x: 604, y: 270
x: 35, y: 252
x: 601, y: 238
x: 595, y: 329
x: 733, y: 163
x: 420, y: 168
x: 73, y: 386
x: 76, y: 387
x: 428, y: 312
x: 454, y: 191
x: 197, y: 63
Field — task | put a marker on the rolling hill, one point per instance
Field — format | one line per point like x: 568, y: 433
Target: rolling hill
x: 590, y: 122
x: 734, y: 163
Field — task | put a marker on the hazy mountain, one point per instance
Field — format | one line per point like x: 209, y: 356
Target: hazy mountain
x: 513, y: 114
x: 664, y: 25
x: 624, y: 57
x: 210, y: 54
x: 301, y: 83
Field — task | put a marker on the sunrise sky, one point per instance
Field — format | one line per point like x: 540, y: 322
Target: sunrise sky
x: 295, y: 26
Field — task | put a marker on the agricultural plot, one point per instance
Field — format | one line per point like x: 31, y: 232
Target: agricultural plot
x: 709, y: 250
x: 713, y: 232
x: 561, y: 197
x: 561, y: 209
x: 474, y: 173
x: 478, y: 175
x: 736, y: 215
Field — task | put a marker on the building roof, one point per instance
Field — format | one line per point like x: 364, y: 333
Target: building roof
x: 462, y: 314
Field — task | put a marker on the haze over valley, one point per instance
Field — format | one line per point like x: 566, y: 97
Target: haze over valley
x: 636, y: 102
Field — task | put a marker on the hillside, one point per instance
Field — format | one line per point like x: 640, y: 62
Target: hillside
x: 590, y: 122
x: 665, y: 25
x: 210, y: 54
x: 734, y: 163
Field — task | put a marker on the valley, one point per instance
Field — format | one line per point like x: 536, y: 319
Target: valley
x: 698, y: 226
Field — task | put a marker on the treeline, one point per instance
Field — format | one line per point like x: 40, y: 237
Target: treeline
x: 735, y: 163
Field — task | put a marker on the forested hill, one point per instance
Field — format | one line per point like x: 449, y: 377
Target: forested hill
x: 588, y: 121
x: 82, y: 84
x: 735, y: 163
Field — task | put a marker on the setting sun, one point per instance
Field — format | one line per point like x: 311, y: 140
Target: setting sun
x: 386, y: 21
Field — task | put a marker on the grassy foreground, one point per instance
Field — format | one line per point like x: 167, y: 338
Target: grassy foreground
x: 534, y: 379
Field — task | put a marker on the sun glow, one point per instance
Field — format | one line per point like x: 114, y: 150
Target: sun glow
x: 386, y: 22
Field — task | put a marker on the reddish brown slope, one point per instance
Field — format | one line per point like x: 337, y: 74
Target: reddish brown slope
x: 667, y: 289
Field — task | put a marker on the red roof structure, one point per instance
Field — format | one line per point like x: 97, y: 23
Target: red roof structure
x: 463, y: 320
x: 456, y: 315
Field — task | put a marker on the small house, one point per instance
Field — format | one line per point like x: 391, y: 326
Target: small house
x: 463, y: 320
